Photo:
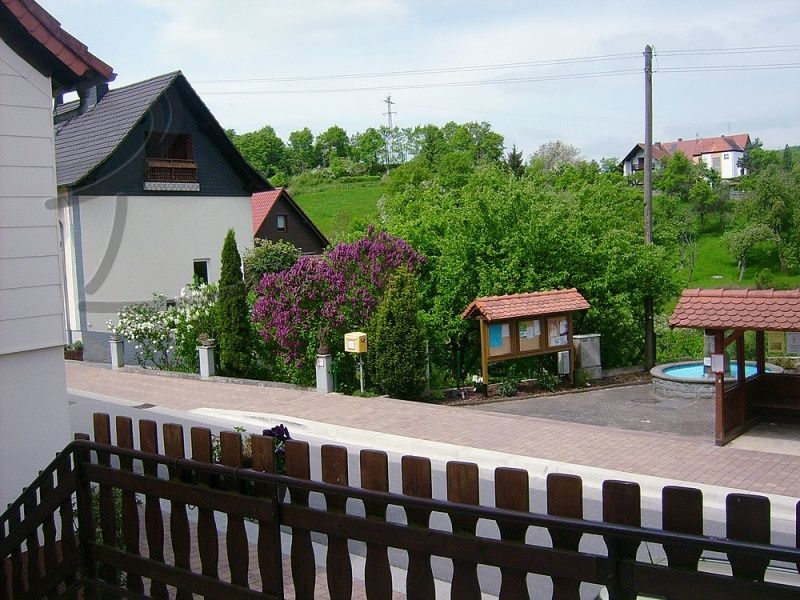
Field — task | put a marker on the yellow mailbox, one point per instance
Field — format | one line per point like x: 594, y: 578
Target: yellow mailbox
x: 355, y: 342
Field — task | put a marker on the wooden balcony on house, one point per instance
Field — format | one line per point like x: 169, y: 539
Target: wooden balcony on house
x: 170, y: 170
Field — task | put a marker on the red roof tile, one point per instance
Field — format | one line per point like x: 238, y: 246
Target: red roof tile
x: 532, y: 304
x: 765, y: 310
x: 64, y: 48
x: 699, y: 146
x: 262, y: 203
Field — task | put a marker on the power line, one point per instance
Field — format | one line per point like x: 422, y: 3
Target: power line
x: 432, y: 71
x: 412, y: 86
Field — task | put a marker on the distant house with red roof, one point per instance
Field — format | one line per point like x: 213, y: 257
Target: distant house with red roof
x: 276, y: 216
x: 721, y: 153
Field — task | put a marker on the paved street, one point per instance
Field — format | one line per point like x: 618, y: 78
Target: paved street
x: 688, y: 458
x: 631, y: 407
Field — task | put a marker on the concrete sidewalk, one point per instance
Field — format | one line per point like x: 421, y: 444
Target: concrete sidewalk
x: 672, y: 457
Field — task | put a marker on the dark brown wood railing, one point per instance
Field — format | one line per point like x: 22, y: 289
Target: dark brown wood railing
x: 137, y: 549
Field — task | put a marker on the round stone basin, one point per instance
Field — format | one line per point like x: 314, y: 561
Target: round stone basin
x: 686, y: 380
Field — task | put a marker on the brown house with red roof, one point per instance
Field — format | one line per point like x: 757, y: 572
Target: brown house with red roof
x: 276, y: 216
x: 721, y: 153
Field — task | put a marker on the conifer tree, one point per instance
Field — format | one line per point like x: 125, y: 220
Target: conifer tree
x: 396, y: 345
x: 235, y: 335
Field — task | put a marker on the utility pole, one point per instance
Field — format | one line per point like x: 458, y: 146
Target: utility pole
x: 389, y: 112
x: 649, y: 329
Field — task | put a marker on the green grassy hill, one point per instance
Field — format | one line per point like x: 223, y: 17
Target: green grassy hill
x: 337, y: 207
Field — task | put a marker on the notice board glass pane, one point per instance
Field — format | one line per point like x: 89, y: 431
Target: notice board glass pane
x: 557, y: 331
x: 499, y: 339
x: 530, y: 335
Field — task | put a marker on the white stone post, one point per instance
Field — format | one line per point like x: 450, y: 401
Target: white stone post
x: 323, y: 371
x: 206, y: 354
x: 117, y: 353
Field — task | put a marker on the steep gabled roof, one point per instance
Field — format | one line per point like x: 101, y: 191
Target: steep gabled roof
x: 86, y: 141
x: 532, y: 304
x: 264, y: 202
x: 765, y: 310
x: 34, y: 28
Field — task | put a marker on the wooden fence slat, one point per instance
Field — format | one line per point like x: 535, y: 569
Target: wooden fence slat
x: 302, y: 553
x: 747, y: 519
x: 18, y: 583
x: 153, y: 517
x: 49, y: 551
x: 269, y: 534
x: 462, y: 487
x: 32, y: 545
x: 565, y: 499
x: 416, y: 473
x: 66, y: 519
x: 178, y: 520
x: 375, y: 477
x: 235, y: 537
x: 417, y: 482
x: 130, y: 509
x: 512, y: 492
x: 207, y: 536
x: 622, y: 505
x: 682, y: 512
x: 107, y: 503
x: 5, y: 591
x: 339, y: 571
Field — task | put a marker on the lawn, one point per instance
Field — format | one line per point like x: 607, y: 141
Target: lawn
x: 335, y: 208
x: 715, y: 268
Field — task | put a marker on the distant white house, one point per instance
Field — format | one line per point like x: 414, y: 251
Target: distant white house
x: 38, y: 60
x: 719, y: 153
x: 148, y: 185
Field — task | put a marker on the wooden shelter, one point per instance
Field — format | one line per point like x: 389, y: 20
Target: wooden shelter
x: 726, y: 315
x: 518, y: 325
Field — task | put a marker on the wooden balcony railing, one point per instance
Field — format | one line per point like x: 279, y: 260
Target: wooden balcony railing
x: 139, y: 551
x: 170, y: 170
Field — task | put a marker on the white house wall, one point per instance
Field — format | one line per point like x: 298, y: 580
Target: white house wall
x: 131, y: 247
x: 33, y: 410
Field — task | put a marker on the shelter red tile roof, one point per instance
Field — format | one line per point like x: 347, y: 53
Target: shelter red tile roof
x: 532, y: 304
x: 262, y: 203
x: 766, y: 310
x: 64, y: 48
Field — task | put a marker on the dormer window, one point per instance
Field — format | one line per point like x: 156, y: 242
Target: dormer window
x: 169, y: 163
x: 280, y: 222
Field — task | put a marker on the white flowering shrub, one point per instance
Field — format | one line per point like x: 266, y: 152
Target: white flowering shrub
x: 165, y: 337
x: 195, y: 314
x: 149, y: 326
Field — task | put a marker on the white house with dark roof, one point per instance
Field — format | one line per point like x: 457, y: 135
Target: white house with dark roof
x: 38, y: 60
x: 149, y: 184
x: 721, y: 153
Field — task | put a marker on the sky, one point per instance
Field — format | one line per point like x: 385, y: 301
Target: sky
x: 301, y: 50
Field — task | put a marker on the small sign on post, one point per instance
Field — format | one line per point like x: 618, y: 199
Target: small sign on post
x: 717, y: 363
x: 356, y: 342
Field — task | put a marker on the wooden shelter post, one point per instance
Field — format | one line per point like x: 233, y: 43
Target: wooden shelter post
x: 740, y: 362
x: 760, y: 353
x: 484, y: 352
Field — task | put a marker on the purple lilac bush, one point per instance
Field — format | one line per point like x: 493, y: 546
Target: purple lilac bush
x: 320, y: 298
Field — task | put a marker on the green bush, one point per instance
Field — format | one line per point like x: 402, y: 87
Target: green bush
x: 509, y: 384
x: 397, y: 341
x: 265, y: 257
x: 676, y: 344
x: 547, y: 380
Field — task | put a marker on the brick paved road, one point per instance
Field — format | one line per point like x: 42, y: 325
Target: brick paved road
x: 689, y: 459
